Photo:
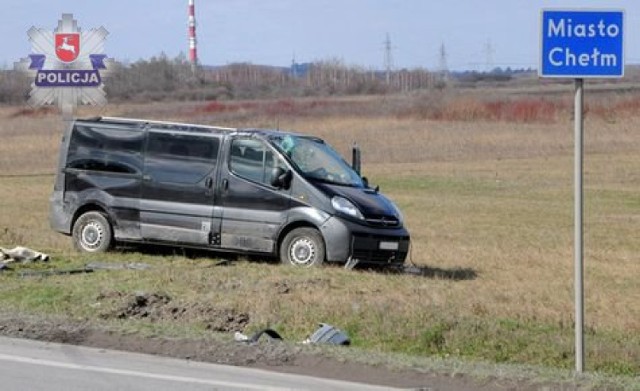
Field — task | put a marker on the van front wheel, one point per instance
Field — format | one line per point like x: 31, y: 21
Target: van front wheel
x: 302, y: 247
x: 92, y: 233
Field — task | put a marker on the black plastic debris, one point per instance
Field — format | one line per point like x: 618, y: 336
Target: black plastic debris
x: 53, y: 272
x: 117, y: 266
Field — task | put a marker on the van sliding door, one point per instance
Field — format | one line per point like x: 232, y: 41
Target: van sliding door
x: 177, y: 203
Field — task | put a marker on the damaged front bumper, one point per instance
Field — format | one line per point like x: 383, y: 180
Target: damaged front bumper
x: 347, y: 241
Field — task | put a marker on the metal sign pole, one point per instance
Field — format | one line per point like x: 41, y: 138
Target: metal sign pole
x: 601, y: 54
x: 578, y: 231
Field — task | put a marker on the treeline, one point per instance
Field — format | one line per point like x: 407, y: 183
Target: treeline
x: 164, y: 78
x: 321, y: 78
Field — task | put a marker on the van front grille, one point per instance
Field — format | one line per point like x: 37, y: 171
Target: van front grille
x: 383, y: 221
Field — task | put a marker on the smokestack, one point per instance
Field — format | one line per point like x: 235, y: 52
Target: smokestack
x: 193, y: 53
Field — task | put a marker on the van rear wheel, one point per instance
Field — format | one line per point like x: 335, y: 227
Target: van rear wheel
x: 302, y: 247
x: 92, y: 233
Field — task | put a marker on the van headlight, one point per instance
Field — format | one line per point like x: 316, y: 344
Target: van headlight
x: 343, y: 205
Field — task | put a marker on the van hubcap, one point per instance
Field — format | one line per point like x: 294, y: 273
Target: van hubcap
x: 92, y: 235
x: 303, y: 251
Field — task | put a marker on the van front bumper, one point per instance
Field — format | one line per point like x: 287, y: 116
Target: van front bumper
x: 346, y: 240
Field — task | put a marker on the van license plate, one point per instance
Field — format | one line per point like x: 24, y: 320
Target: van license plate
x: 388, y: 246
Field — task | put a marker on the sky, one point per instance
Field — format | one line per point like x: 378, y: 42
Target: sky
x: 476, y: 34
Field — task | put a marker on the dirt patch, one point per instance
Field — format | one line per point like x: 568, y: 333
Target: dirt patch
x: 161, y: 307
x: 266, y: 353
x: 144, y: 305
x: 54, y: 330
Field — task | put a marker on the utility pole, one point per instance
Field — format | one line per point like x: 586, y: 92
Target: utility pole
x: 443, y: 68
x: 489, y: 52
x: 294, y: 72
x: 388, y: 58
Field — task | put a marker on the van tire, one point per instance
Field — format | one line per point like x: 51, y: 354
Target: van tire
x: 302, y: 247
x: 92, y: 233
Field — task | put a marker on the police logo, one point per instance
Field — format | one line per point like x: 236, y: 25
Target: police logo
x: 67, y: 66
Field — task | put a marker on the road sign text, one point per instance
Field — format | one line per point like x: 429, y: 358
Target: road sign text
x: 582, y: 44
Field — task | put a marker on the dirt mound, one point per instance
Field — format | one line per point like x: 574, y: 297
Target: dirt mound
x: 223, y: 320
x: 143, y: 305
x: 161, y: 307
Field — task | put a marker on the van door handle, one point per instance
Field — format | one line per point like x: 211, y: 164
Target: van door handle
x: 208, y: 182
x: 146, y: 177
x: 225, y: 184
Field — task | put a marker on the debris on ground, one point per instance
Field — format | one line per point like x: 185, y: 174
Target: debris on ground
x: 117, y: 266
x: 325, y: 334
x: 53, y: 272
x: 21, y: 254
x: 88, y: 268
x: 272, y: 334
x: 223, y: 262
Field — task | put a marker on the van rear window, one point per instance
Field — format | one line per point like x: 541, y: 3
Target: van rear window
x: 107, y: 149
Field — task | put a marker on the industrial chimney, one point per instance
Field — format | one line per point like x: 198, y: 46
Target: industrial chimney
x: 193, y: 53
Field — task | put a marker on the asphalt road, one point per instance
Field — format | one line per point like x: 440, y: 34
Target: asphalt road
x: 35, y: 366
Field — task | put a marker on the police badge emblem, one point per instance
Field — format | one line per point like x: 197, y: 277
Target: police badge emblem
x: 67, y: 65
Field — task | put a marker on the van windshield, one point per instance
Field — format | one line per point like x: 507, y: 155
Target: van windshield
x: 317, y: 160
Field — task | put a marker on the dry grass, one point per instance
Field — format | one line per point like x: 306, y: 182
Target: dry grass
x: 490, y: 198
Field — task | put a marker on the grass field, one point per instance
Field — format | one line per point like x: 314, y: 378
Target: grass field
x: 488, y: 203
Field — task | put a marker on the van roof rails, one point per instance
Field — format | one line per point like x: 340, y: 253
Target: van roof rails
x: 147, y: 121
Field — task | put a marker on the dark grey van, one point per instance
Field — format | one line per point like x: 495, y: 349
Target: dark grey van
x: 241, y: 190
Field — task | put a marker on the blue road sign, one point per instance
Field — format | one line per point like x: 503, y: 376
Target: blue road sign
x: 582, y: 44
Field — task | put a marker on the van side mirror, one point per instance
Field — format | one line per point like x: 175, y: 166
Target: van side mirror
x: 281, y: 178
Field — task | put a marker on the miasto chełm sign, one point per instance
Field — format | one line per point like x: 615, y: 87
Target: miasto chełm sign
x: 582, y: 44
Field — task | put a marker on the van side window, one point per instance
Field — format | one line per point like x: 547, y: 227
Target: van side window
x: 180, y: 158
x: 252, y: 159
x: 106, y: 149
